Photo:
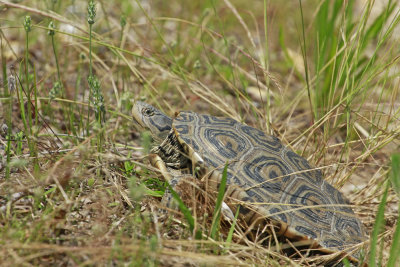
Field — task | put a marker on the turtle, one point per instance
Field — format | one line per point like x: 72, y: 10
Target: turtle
x: 268, y: 180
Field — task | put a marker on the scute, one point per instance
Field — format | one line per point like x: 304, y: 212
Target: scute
x: 226, y: 143
x: 257, y: 137
x: 320, y: 214
x: 280, y: 184
x: 300, y: 164
x: 266, y: 173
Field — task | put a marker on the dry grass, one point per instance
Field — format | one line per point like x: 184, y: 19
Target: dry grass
x: 93, y: 197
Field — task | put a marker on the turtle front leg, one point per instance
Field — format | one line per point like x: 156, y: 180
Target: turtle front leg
x: 167, y: 199
x: 175, y: 179
x: 157, y: 162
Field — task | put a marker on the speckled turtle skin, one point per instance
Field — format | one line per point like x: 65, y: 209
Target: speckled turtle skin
x: 270, y: 181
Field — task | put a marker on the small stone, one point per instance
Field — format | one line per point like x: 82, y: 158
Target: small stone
x: 4, y: 130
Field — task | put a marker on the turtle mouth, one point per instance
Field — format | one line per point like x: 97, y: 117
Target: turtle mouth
x: 135, y: 121
x: 137, y: 116
x: 138, y: 123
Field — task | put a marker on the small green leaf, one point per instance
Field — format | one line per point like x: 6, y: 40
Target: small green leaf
x: 153, y: 193
x: 91, y: 181
x: 346, y: 262
x: 51, y: 190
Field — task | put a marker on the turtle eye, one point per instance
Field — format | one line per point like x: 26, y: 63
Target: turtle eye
x: 147, y: 112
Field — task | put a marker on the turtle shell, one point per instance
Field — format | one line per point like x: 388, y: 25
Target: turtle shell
x: 274, y: 182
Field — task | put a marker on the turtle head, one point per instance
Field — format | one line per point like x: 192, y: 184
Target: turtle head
x: 152, y: 119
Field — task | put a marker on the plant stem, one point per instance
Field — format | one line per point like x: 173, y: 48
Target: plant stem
x: 90, y: 74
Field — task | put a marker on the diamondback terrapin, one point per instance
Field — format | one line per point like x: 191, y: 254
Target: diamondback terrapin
x: 270, y: 181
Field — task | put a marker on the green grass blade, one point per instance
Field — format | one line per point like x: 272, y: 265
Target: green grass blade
x: 182, y: 207
x: 378, y: 25
x: 230, y: 234
x: 394, y: 250
x: 218, y: 204
x: 304, y: 50
x: 395, y: 177
x: 378, y: 227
